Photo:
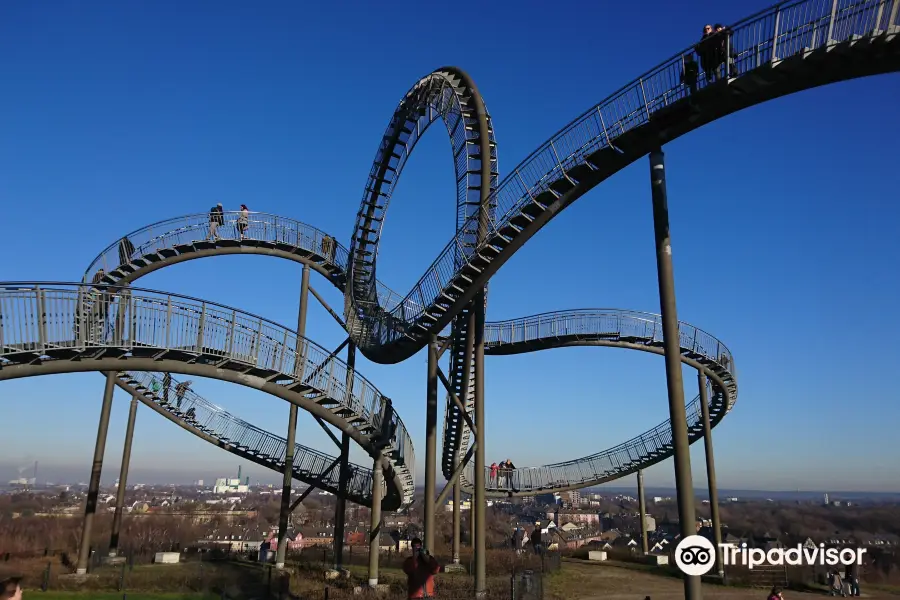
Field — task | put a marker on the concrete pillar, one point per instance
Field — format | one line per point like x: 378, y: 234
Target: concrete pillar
x: 123, y: 478
x: 375, y: 524
x: 711, y: 473
x: 90, y: 508
x: 665, y: 274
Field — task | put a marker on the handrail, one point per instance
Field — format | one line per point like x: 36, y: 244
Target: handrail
x: 610, y: 326
x: 599, y: 126
x: 80, y: 315
x: 208, y: 415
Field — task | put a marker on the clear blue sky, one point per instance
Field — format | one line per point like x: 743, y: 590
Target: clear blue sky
x: 784, y: 218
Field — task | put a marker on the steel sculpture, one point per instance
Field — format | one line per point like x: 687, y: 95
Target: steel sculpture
x: 789, y: 47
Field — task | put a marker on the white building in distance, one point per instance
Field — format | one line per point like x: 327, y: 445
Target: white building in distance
x: 230, y: 486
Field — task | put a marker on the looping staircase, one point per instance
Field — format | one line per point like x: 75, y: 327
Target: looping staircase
x: 614, y: 328
x: 218, y: 426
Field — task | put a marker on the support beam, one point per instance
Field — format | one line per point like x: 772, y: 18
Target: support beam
x: 315, y: 484
x: 456, y: 521
x: 375, y: 523
x: 285, y: 513
x: 711, y: 472
x: 479, y: 506
x: 324, y: 304
x: 444, y: 346
x: 431, y: 410
x: 472, y: 523
x: 666, y: 279
x: 455, y: 398
x: 340, y: 512
x: 327, y: 360
x: 643, y: 508
x: 330, y: 433
x: 123, y: 479
x: 90, y: 507
x: 290, y: 447
x: 454, y: 478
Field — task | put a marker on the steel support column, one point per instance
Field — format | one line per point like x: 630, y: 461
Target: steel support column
x: 711, y: 473
x: 340, y: 512
x: 683, y: 484
x: 286, y: 482
x: 90, y: 507
x: 472, y: 522
x: 456, y: 500
x: 431, y: 411
x: 643, y: 509
x: 480, y: 500
x: 123, y: 478
x: 375, y: 523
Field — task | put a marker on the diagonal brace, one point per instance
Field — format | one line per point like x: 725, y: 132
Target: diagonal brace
x: 453, y: 478
x: 455, y: 399
x: 330, y: 358
x: 330, y: 433
x: 312, y: 486
x: 324, y: 304
x: 444, y: 346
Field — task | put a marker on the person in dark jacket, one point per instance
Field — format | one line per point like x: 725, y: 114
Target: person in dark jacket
x: 725, y: 53
x: 708, y: 52
x: 216, y: 218
x: 536, y: 541
x: 851, y: 576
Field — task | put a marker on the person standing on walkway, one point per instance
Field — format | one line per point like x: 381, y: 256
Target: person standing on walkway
x: 243, y: 221
x: 420, y: 569
x: 494, y: 470
x: 167, y: 383
x: 180, y: 390
x: 216, y: 218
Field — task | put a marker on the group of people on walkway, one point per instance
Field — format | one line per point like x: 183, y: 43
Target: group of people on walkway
x: 717, y: 57
x: 502, y: 474
x: 327, y: 244
x: 217, y: 219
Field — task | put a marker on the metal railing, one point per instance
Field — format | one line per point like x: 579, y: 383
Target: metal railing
x: 609, y: 323
x: 614, y: 325
x: 189, y: 229
x: 215, y: 421
x: 43, y: 317
x: 784, y: 30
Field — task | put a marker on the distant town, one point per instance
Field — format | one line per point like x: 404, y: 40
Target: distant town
x: 230, y: 513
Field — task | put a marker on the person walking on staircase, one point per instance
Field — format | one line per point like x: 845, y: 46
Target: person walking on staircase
x: 216, y: 218
x: 180, y: 390
x: 243, y: 221
x: 167, y: 383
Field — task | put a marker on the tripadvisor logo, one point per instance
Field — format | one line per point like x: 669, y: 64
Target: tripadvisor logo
x: 696, y: 555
